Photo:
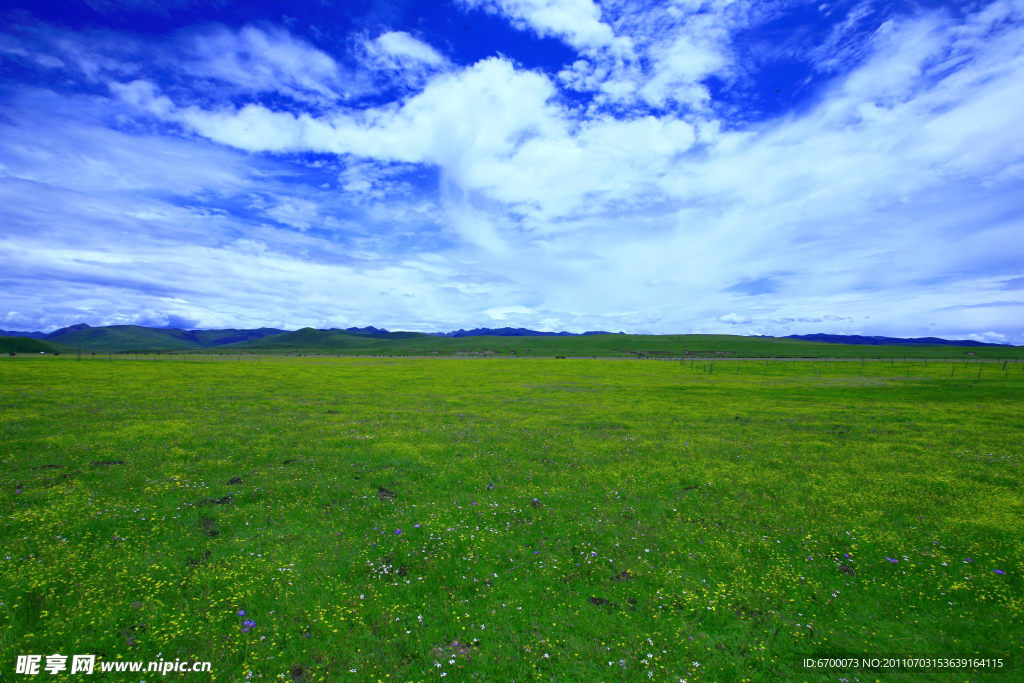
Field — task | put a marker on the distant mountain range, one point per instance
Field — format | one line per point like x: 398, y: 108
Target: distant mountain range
x: 136, y: 337
x: 30, y: 335
x: 511, y: 332
x: 139, y: 338
x: 888, y: 341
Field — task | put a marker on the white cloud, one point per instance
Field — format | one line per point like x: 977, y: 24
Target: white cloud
x: 377, y: 183
x: 664, y: 54
x: 143, y: 95
x: 990, y: 337
x: 489, y: 128
x: 844, y: 44
x: 502, y: 313
x: 681, y: 63
x: 396, y: 59
x: 483, y: 111
x: 601, y: 162
x: 209, y: 63
x: 403, y: 48
x: 62, y: 141
x: 298, y: 213
x: 578, y: 22
x: 11, y: 48
x: 264, y: 60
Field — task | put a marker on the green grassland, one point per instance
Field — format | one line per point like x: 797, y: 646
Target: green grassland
x: 134, y: 339
x: 309, y: 340
x: 409, y: 519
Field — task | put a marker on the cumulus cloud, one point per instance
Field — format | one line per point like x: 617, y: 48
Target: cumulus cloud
x: 491, y: 128
x: 483, y: 111
x: 666, y: 54
x: 680, y: 64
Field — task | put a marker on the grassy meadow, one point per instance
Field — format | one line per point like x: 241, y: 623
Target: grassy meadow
x: 135, y: 341
x: 400, y: 519
x: 601, y: 346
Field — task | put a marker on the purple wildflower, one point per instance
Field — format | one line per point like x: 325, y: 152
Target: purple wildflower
x: 397, y: 532
x: 969, y: 560
x: 891, y: 559
x: 248, y: 624
x: 416, y: 525
x: 998, y: 571
x: 241, y: 612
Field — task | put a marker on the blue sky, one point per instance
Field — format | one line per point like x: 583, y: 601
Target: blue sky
x: 674, y: 167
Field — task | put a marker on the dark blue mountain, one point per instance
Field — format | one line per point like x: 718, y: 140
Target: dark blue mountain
x: 65, y: 330
x: 888, y: 341
x: 44, y: 335
x: 369, y: 330
x: 30, y: 335
x: 510, y: 332
x: 210, y: 338
x: 207, y: 338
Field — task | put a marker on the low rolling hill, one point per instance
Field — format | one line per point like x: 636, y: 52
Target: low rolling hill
x: 309, y: 340
x: 125, y: 338
x: 501, y: 342
x: 30, y: 345
x: 120, y: 338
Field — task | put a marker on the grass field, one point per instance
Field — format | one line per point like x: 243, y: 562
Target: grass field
x: 131, y: 341
x: 399, y: 519
x: 605, y: 345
